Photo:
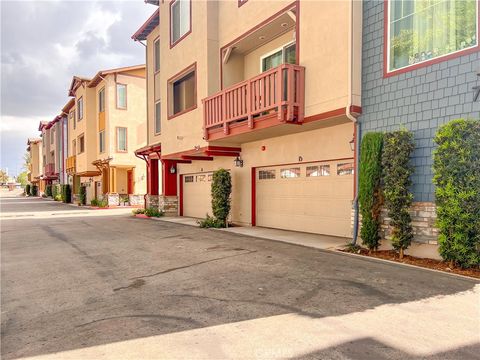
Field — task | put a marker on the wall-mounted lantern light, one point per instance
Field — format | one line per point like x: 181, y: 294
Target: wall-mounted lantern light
x: 238, y: 162
x: 173, y: 170
x: 352, y: 144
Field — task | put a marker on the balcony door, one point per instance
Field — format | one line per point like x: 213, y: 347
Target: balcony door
x: 284, y: 55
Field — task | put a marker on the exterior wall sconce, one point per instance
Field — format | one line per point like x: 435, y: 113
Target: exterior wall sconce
x: 173, y: 170
x: 352, y: 144
x: 238, y: 162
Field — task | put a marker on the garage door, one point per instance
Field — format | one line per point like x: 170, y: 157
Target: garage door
x: 313, y: 197
x: 196, y: 195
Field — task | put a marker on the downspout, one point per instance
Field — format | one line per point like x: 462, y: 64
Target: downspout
x: 349, y: 115
x: 146, y: 103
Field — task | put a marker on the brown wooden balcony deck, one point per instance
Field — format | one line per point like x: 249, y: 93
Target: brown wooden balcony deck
x: 277, y: 92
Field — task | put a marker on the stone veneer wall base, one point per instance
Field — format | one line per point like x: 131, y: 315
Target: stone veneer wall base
x: 423, y: 221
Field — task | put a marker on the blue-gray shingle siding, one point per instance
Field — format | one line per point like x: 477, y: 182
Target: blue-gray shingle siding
x: 420, y: 100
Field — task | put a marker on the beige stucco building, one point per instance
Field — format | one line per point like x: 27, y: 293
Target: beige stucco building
x: 106, y: 123
x: 35, y: 170
x: 265, y: 90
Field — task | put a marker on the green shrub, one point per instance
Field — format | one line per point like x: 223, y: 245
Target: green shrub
x: 66, y: 193
x: 138, y: 211
x: 34, y: 190
x: 397, y: 149
x: 211, y: 222
x: 58, y: 197
x: 48, y: 191
x: 94, y: 202
x: 370, y: 194
x: 221, y: 191
x: 82, y: 195
x: 456, y: 168
x: 153, y: 212
x: 27, y: 189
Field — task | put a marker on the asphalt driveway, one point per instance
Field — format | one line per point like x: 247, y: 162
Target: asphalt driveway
x: 122, y: 287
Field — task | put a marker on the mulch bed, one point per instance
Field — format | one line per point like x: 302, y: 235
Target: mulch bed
x: 421, y: 262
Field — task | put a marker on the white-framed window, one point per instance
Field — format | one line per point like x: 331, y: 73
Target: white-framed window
x: 287, y: 54
x: 121, y: 96
x: 423, y: 30
x: 180, y: 23
x: 121, y: 139
x: 101, y: 141
x: 80, y: 108
x: 156, y: 54
x: 158, y: 117
x: 52, y: 135
x: 101, y: 100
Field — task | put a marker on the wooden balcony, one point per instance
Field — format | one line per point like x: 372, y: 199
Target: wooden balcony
x: 70, y: 164
x: 277, y: 93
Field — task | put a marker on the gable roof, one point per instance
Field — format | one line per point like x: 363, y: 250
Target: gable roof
x: 42, y: 124
x: 147, y: 27
x: 68, y: 106
x: 76, y: 82
x: 99, y: 75
x: 33, y: 140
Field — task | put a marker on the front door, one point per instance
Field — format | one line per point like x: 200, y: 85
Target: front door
x: 130, y: 181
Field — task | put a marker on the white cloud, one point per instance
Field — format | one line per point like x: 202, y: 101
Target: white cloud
x: 44, y: 44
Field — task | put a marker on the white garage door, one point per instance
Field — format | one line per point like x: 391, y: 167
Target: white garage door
x: 196, y: 195
x: 313, y: 197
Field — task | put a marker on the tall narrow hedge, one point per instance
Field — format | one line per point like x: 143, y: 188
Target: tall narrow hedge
x: 66, y: 193
x: 369, y: 192
x: 48, y: 190
x: 34, y: 190
x: 82, y: 195
x: 27, y: 189
x: 456, y: 169
x: 221, y: 191
x: 397, y: 149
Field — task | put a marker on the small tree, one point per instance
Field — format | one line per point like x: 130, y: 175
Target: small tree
x: 27, y: 189
x: 221, y: 191
x: 54, y: 191
x: 456, y: 168
x: 48, y: 190
x: 370, y: 194
x: 34, y: 190
x: 397, y: 149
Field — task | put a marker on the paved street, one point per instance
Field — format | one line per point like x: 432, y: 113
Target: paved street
x: 114, y: 286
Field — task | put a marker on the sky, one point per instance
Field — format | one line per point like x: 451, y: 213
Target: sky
x: 43, y: 45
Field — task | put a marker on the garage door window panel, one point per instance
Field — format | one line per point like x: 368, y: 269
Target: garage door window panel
x: 345, y: 169
x: 266, y: 174
x: 290, y: 173
x: 318, y: 170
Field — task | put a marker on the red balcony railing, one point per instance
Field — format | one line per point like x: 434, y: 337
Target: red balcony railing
x: 49, y: 169
x: 279, y: 90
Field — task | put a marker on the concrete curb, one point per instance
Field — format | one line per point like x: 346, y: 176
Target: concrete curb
x: 403, y: 264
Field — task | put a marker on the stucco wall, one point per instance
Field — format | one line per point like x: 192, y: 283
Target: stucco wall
x: 317, y: 145
x: 324, y: 51
x: 420, y: 100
